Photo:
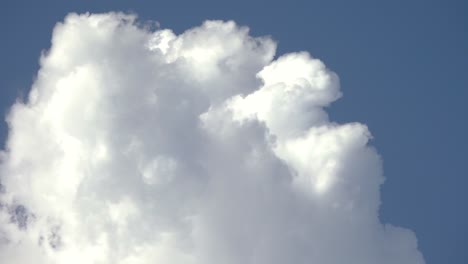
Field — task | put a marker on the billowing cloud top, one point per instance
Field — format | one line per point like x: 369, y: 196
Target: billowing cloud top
x: 141, y: 146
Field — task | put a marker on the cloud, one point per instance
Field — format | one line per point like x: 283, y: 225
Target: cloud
x: 142, y: 146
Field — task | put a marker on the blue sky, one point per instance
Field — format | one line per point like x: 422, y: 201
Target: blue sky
x: 402, y: 66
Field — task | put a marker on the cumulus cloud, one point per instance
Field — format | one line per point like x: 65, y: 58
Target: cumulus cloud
x: 143, y: 146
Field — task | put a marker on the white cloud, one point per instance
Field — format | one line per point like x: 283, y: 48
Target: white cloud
x: 150, y: 147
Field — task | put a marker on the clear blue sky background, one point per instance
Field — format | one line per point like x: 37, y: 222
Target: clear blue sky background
x: 404, y: 72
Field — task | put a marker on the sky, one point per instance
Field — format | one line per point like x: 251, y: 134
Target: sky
x: 401, y: 67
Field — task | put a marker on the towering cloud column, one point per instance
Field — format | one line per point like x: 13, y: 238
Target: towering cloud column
x: 141, y: 146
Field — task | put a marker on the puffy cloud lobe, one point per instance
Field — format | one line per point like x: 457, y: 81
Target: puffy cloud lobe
x: 141, y: 146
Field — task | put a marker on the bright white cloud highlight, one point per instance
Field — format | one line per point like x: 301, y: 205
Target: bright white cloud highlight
x: 140, y: 146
